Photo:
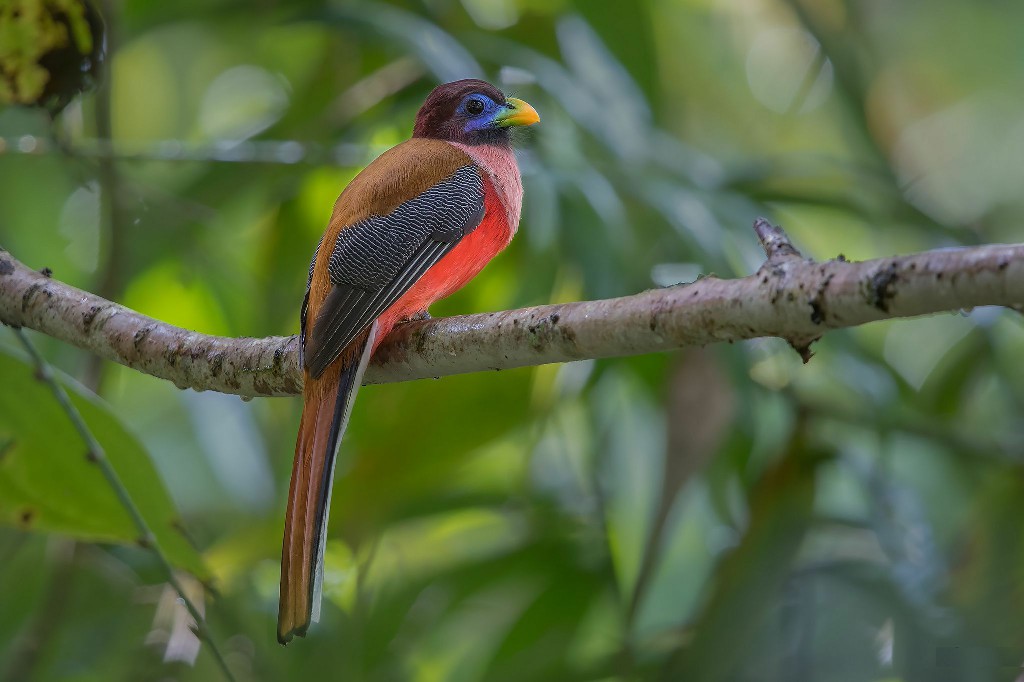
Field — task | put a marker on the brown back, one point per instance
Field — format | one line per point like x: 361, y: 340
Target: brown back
x: 397, y: 175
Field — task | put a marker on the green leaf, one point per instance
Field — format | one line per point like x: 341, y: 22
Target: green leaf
x: 47, y: 484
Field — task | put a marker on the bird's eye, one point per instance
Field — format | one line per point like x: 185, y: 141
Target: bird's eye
x: 474, y: 107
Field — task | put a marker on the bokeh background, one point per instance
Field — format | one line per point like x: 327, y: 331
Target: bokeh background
x: 725, y: 513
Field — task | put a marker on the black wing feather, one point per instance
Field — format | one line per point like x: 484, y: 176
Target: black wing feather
x: 374, y: 262
x: 429, y: 253
x: 305, y: 304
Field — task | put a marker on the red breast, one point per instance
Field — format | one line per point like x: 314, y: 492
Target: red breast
x: 456, y: 269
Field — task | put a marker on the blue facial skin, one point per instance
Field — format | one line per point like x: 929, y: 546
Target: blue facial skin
x: 482, y: 120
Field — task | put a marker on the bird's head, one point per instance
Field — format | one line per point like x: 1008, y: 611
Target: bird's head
x: 472, y: 111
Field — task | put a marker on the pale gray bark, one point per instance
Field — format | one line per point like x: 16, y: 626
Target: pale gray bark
x: 788, y: 297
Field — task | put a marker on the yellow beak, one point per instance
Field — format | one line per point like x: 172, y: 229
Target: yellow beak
x: 516, y: 113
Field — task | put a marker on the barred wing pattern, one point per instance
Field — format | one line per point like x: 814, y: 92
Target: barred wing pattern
x: 377, y: 260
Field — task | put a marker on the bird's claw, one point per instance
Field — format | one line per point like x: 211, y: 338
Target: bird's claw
x: 419, y: 317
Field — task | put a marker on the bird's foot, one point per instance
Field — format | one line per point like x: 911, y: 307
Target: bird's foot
x: 418, y: 317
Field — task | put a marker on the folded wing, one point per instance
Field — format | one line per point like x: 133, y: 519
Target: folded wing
x: 377, y: 260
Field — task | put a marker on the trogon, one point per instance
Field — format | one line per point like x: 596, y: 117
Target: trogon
x: 413, y: 227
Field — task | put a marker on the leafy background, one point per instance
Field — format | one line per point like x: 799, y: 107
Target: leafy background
x: 717, y: 514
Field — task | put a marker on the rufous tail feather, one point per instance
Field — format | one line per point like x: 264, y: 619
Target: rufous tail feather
x: 323, y: 424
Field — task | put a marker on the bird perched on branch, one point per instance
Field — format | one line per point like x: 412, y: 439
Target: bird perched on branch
x: 413, y: 227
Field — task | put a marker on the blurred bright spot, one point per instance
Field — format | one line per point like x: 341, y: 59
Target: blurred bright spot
x: 80, y: 223
x: 914, y: 347
x: 492, y: 15
x: 775, y: 370
x: 225, y: 427
x: 886, y: 640
x: 290, y: 152
x: 320, y: 189
x: 668, y: 274
x: 572, y: 377
x: 266, y: 580
x: 511, y: 75
x: 787, y: 72
x: 233, y: 557
x: 386, y: 136
x: 164, y: 292
x: 145, y: 97
x: 870, y: 379
x: 688, y: 212
x: 341, y: 575
x: 498, y: 468
x: 420, y: 547
x: 962, y: 162
x: 840, y: 495
x: 173, y: 628
x: 242, y: 102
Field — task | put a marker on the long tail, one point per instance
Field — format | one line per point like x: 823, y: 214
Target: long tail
x: 324, y: 418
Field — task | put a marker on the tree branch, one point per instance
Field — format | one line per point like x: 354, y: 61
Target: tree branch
x: 790, y: 297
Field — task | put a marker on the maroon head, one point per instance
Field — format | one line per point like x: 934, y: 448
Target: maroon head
x: 472, y: 111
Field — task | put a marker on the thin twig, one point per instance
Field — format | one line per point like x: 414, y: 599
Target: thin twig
x: 774, y: 241
x: 96, y: 455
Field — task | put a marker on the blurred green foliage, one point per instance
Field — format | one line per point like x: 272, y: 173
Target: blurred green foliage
x: 722, y: 514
